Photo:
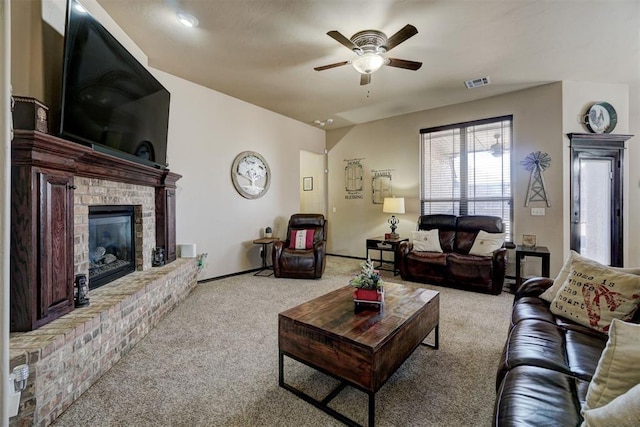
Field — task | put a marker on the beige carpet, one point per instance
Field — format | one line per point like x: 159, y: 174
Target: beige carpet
x: 213, y: 361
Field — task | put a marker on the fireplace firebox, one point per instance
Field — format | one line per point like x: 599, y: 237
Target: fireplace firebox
x: 112, y: 247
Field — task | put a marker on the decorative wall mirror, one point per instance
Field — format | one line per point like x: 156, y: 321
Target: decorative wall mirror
x: 250, y: 175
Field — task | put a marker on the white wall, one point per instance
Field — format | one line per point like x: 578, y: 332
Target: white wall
x: 539, y: 125
x: 207, y: 130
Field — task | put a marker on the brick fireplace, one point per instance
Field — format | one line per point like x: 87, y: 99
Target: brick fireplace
x: 98, y: 192
x: 54, y: 182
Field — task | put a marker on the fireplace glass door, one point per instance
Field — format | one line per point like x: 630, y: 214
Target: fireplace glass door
x: 111, y: 243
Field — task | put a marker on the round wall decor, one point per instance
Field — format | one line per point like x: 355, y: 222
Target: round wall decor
x: 601, y: 118
x: 250, y: 175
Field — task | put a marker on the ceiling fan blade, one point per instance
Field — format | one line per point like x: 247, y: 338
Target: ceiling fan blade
x: 403, y: 63
x: 365, y: 79
x: 326, y: 67
x: 337, y: 36
x: 406, y: 32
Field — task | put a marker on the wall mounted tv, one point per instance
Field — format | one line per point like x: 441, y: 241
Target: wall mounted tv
x: 109, y: 100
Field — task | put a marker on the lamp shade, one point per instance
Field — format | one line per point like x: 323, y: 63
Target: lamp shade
x: 393, y: 205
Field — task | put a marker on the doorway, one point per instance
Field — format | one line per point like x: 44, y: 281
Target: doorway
x: 596, y: 195
x: 312, y: 183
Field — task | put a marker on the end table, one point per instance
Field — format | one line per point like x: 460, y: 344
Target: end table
x: 535, y: 251
x: 265, y: 242
x: 385, y: 245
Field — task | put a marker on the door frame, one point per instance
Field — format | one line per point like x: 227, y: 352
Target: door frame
x: 606, y: 147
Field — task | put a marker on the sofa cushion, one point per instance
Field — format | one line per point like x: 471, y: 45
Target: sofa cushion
x: 551, y: 292
x: 446, y: 226
x: 593, y: 295
x: 623, y: 411
x: 301, y: 239
x: 426, y: 240
x: 547, y: 345
x: 531, y: 308
x: 470, y: 269
x: 428, y: 266
x: 468, y: 228
x: 617, y: 368
x: 535, y: 396
x: 486, y: 243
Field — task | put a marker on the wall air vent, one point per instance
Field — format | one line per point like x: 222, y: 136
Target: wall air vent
x: 482, y: 81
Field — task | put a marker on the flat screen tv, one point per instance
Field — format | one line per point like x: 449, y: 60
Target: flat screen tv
x: 109, y: 100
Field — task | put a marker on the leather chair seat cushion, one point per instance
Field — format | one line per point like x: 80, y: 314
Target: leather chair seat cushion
x: 543, y: 344
x: 470, y: 269
x: 536, y: 396
x: 430, y: 267
x: 438, y: 258
x: 297, y: 260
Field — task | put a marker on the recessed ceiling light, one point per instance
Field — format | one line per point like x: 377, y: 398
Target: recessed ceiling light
x: 322, y: 123
x: 187, y: 20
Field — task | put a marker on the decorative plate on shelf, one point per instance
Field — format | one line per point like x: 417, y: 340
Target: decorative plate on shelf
x: 601, y: 118
x: 250, y: 174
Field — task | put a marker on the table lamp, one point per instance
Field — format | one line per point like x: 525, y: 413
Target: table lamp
x: 393, y: 205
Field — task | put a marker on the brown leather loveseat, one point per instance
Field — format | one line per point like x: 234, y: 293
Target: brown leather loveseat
x: 455, y: 266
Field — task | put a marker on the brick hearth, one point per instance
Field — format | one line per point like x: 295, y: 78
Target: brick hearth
x: 54, y: 182
x: 67, y: 355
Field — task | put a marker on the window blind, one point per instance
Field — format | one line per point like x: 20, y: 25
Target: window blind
x: 466, y: 169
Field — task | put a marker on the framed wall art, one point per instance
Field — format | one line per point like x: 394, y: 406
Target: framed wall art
x: 250, y: 175
x: 307, y: 183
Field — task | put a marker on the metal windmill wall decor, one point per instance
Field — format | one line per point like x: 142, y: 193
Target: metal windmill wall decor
x: 537, y: 162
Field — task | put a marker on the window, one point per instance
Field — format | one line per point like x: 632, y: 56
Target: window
x: 466, y: 169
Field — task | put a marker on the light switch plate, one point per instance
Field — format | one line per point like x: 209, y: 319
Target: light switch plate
x: 537, y: 211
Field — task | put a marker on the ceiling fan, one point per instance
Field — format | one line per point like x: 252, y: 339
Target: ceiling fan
x: 370, y: 46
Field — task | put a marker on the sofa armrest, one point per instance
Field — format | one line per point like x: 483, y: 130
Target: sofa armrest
x: 403, y: 249
x: 319, y: 250
x: 276, y: 252
x: 533, y: 287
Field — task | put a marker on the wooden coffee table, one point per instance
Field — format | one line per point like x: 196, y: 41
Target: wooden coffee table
x: 361, y: 349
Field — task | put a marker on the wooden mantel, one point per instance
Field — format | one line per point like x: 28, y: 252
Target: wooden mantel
x: 43, y: 168
x: 32, y: 148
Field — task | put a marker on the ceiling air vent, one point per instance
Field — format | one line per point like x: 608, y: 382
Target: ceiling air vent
x: 482, y: 81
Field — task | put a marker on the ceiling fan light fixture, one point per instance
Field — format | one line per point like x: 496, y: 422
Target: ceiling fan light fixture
x: 368, y: 62
x: 187, y: 20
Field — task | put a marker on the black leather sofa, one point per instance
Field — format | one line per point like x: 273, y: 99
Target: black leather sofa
x: 454, y: 266
x: 547, y: 364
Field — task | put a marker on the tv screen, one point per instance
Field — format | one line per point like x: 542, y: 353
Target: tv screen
x: 109, y: 100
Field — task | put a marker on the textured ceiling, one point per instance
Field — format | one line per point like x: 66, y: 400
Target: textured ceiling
x: 264, y: 51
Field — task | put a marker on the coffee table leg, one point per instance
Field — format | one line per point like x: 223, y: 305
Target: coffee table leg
x: 436, y: 344
x: 372, y: 409
x: 280, y: 369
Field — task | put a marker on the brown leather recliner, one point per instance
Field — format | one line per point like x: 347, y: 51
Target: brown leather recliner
x: 302, y: 263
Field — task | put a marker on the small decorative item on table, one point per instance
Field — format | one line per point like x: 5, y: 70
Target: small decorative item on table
x: 369, y: 287
x: 529, y: 240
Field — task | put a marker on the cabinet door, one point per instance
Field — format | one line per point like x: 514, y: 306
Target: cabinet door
x: 55, y: 237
